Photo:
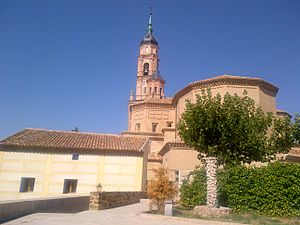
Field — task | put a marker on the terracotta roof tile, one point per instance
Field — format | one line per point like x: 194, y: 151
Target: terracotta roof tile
x: 55, y: 139
x: 226, y: 79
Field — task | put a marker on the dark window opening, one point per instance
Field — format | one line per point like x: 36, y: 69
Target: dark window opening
x: 75, y: 156
x: 155, y: 90
x: 27, y: 184
x: 169, y: 124
x: 154, y: 126
x: 150, y: 90
x: 177, y: 175
x: 160, y: 91
x: 138, y: 127
x: 146, y: 69
x: 70, y: 186
x: 145, y: 90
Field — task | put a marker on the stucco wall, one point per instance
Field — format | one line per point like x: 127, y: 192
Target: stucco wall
x: 115, y: 173
x: 267, y: 101
x: 150, y: 167
x: 179, y: 159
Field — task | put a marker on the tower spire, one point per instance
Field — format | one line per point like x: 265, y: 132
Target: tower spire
x: 150, y: 21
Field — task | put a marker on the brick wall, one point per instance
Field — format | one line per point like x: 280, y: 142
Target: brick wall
x: 106, y: 200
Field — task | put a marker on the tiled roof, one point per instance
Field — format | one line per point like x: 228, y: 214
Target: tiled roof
x: 55, y: 139
x: 226, y: 79
x: 179, y: 145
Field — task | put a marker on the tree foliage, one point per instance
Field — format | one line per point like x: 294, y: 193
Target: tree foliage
x: 296, y: 129
x: 160, y: 188
x: 233, y: 129
x: 193, y: 189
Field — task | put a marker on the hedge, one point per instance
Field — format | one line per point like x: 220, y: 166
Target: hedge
x: 270, y: 190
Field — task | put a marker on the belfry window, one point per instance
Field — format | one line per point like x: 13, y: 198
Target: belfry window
x: 154, y: 127
x: 145, y: 90
x: 137, y: 127
x: 146, y: 69
x: 155, y: 90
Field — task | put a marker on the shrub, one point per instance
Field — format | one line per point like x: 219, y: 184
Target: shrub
x: 270, y: 190
x: 160, y: 189
x: 193, y: 189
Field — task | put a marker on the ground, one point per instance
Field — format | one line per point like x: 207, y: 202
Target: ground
x: 127, y: 215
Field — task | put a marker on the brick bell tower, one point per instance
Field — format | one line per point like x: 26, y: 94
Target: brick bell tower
x: 149, y: 83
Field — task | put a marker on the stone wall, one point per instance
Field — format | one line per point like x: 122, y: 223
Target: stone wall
x: 13, y: 209
x: 106, y: 200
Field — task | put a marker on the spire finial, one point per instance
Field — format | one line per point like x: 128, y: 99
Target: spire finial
x: 150, y: 21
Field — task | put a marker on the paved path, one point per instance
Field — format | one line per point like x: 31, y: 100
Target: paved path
x: 127, y: 215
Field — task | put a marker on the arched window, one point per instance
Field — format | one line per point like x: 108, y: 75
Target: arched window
x: 146, y: 69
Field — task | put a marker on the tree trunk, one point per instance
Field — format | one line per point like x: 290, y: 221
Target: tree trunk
x: 211, y: 166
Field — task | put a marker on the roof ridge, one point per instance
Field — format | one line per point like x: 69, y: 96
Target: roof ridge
x: 58, y: 139
x: 74, y: 132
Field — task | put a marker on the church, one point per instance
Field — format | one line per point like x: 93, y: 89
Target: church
x: 44, y: 163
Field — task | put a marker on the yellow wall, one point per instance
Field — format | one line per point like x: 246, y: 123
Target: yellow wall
x: 115, y: 173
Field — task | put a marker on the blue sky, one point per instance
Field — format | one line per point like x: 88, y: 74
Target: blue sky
x: 67, y: 63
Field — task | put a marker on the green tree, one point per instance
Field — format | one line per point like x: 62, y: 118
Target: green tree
x: 230, y: 130
x: 296, y: 129
x: 160, y: 188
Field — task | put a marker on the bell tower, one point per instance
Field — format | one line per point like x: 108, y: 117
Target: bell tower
x: 149, y: 82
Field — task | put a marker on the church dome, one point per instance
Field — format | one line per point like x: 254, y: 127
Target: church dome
x: 149, y: 39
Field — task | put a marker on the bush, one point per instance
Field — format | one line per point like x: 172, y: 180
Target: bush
x: 270, y: 190
x: 160, y: 189
x: 193, y: 189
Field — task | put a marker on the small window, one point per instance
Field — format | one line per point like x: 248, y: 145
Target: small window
x: 75, y: 156
x: 145, y: 90
x: 160, y: 91
x: 177, y: 175
x: 155, y: 90
x: 70, y: 186
x: 27, y: 184
x: 154, y: 126
x: 169, y: 123
x: 150, y: 90
x: 137, y: 127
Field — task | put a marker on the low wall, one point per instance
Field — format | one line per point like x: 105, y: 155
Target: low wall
x: 106, y: 200
x: 13, y: 209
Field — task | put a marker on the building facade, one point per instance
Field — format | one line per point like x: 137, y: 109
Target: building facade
x: 38, y: 163
x: 152, y: 114
x: 42, y: 163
